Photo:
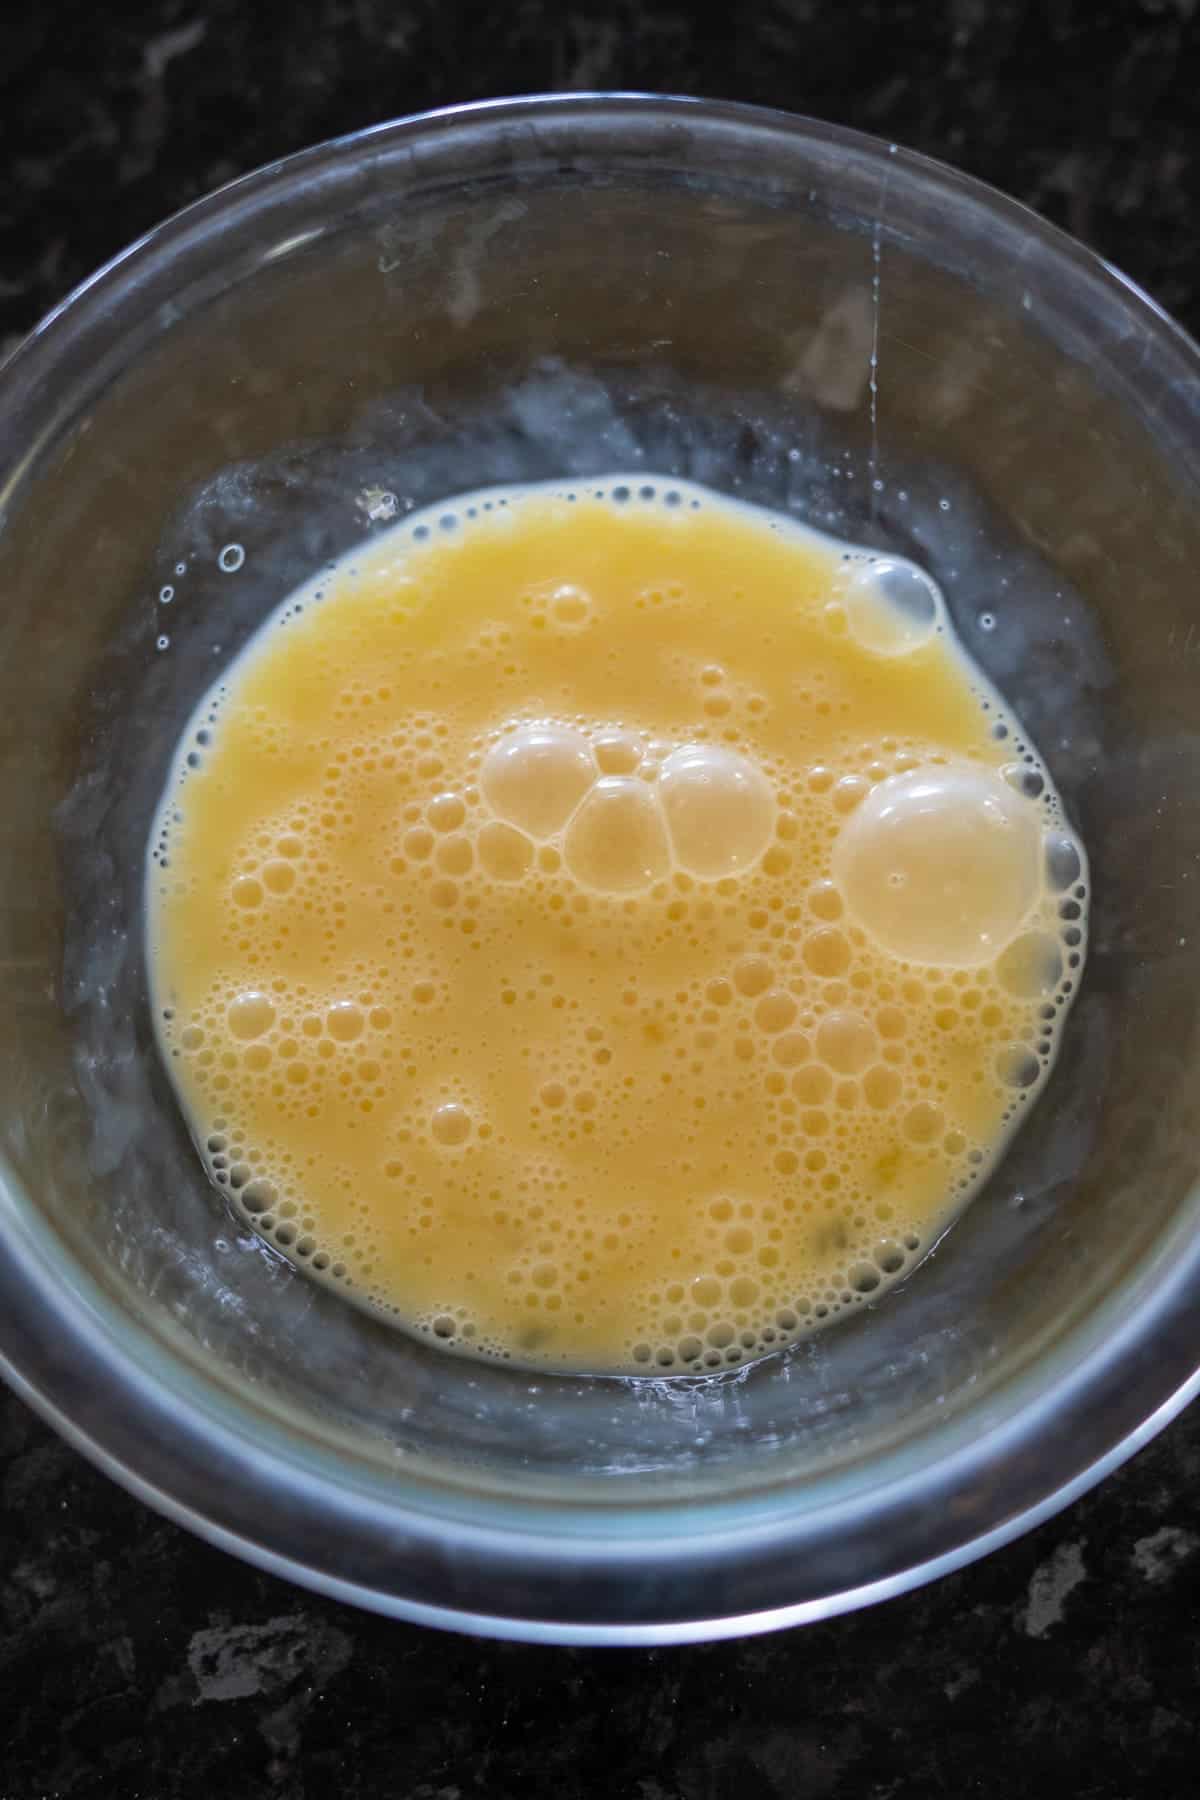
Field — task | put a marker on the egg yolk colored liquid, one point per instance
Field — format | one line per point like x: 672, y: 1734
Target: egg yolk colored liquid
x: 608, y: 926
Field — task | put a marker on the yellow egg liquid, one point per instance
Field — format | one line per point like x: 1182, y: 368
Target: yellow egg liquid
x: 608, y: 926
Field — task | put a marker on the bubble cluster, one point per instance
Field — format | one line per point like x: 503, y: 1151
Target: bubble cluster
x: 563, y: 936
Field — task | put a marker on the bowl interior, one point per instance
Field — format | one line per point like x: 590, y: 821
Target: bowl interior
x: 799, y: 318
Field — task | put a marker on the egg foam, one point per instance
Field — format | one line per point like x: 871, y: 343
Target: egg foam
x: 608, y: 926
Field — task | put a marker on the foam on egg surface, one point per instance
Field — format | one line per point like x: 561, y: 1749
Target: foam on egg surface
x: 609, y: 926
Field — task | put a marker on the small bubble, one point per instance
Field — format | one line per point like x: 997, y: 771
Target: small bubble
x: 1063, y: 862
x: 1017, y: 1066
x: 1028, y: 782
x: 455, y: 854
x: 418, y: 843
x: 446, y: 812
x: 775, y: 1011
x: 812, y: 1085
x: 825, y: 901
x: 344, y: 1021
x: 751, y: 976
x: 258, y: 1197
x: 250, y: 1015
x: 279, y: 877
x: 923, y: 1123
x: 849, y: 791
x: 570, y: 606
x: 827, y: 953
x: 451, y: 1123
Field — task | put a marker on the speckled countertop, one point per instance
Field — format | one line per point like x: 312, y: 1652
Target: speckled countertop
x: 136, y: 1662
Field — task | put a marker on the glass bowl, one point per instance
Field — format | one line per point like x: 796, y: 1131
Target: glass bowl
x: 796, y: 315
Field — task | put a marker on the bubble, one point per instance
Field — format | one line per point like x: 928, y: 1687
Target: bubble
x: 446, y: 812
x: 1031, y: 967
x: 849, y: 792
x: 570, y: 606
x: 940, y: 865
x: 451, y: 1124
x: 863, y: 1277
x: 845, y: 1042
x: 752, y: 975
x: 617, y: 842
x: 827, y: 953
x: 250, y: 1015
x: 247, y: 892
x: 1064, y: 864
x: 1029, y: 783
x: 923, y: 1123
x: 812, y: 1085
x: 344, y: 1022
x: 617, y: 752
x: 535, y: 777
x: 775, y: 1011
x: 258, y: 1196
x: 720, y: 810
x: 505, y: 852
x: 279, y: 877
x: 825, y: 901
x: 791, y: 1048
x: 455, y: 854
x: 891, y: 607
x: 882, y: 1087
x: 1017, y: 1066
x: 418, y: 843
x: 231, y: 559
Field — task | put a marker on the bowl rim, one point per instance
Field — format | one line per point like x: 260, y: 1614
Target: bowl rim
x: 65, y: 1350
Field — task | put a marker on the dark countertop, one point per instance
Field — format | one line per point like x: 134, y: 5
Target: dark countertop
x: 136, y: 1661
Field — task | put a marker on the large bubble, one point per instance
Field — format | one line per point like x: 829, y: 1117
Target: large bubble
x: 720, y: 810
x: 617, y: 842
x: 535, y: 777
x: 941, y: 864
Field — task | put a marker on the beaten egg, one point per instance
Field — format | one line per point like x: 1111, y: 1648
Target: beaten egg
x: 609, y: 926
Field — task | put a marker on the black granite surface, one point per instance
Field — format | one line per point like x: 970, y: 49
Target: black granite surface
x: 135, y: 1661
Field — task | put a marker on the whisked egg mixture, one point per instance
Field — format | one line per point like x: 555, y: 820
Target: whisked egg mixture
x: 609, y: 926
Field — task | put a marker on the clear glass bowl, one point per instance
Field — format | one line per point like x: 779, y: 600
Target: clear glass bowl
x: 791, y: 313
